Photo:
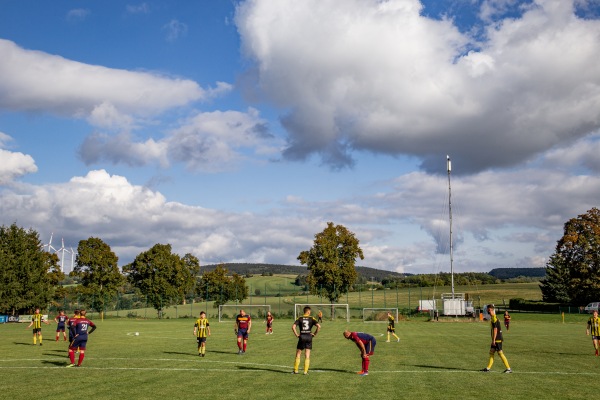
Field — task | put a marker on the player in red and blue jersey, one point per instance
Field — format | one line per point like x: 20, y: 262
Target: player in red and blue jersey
x: 62, y: 320
x: 243, y: 324
x: 269, y: 321
x: 366, y: 344
x: 80, y: 328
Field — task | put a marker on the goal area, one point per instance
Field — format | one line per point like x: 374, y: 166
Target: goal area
x: 228, y: 312
x: 378, y: 314
x: 330, y: 311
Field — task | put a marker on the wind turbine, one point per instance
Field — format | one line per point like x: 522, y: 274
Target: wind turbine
x: 49, y: 245
x: 72, y: 258
x: 62, y: 258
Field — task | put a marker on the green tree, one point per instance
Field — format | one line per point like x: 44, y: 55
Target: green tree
x: 220, y: 288
x: 573, y: 271
x: 331, y: 262
x: 162, y: 276
x: 96, y: 266
x: 27, y: 272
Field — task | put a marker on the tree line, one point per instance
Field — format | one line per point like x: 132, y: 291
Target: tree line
x: 30, y: 275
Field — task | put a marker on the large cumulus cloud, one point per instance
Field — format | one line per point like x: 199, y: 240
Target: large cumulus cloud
x: 381, y: 77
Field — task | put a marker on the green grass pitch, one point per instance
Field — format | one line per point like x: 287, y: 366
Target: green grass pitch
x: 434, y: 360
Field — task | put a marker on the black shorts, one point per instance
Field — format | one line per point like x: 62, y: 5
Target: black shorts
x: 497, y: 346
x: 391, y: 329
x: 201, y: 340
x: 304, y: 341
x: 37, y: 330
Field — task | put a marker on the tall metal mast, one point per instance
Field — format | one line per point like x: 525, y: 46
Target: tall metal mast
x: 449, y: 166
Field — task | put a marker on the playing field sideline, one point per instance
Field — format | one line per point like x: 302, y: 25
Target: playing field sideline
x: 550, y: 359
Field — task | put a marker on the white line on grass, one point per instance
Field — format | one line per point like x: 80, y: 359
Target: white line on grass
x: 312, y: 370
x: 283, y: 367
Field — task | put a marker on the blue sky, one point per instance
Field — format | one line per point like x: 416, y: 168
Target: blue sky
x: 235, y: 130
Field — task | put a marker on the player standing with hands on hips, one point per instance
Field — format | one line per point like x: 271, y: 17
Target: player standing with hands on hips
x: 366, y: 344
x: 306, y: 323
x: 80, y: 328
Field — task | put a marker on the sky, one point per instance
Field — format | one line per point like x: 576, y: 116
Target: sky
x: 235, y: 130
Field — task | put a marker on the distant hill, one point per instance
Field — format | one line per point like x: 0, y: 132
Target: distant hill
x: 260, y: 269
x: 508, y: 273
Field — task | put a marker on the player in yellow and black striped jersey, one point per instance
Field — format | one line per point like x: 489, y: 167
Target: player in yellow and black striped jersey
x: 36, y: 321
x: 391, y: 329
x: 202, y: 331
x: 593, y: 328
x: 496, y: 345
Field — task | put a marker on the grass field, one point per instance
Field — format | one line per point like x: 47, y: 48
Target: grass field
x: 434, y: 360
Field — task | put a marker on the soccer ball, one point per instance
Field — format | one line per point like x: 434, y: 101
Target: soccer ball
x: 137, y: 334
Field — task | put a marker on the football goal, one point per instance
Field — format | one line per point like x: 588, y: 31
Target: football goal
x: 378, y: 314
x: 330, y: 311
x: 228, y: 312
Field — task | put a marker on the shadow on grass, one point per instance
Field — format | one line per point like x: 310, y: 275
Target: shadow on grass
x: 343, y: 371
x: 24, y: 344
x: 181, y: 354
x: 222, y: 352
x: 247, y: 368
x: 440, y: 367
x: 58, y: 363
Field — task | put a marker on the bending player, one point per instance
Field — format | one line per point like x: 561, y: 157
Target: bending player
x: 366, y: 344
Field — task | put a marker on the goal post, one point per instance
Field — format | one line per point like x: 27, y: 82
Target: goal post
x: 378, y: 314
x: 338, y: 310
x: 254, y: 310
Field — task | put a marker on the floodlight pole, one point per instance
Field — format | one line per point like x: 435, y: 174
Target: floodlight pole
x: 449, y: 167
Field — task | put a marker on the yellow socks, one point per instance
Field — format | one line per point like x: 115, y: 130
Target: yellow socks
x: 504, y: 360
x: 296, y: 364
x: 306, y: 364
x: 491, y: 362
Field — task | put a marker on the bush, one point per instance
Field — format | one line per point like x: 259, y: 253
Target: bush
x: 531, y: 305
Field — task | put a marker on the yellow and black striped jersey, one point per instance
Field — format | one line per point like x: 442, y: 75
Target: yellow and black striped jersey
x: 594, y: 326
x: 201, y: 326
x: 36, y: 319
x: 390, y: 321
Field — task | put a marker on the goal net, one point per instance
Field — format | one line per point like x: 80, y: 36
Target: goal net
x: 330, y: 311
x: 378, y: 314
x: 228, y: 312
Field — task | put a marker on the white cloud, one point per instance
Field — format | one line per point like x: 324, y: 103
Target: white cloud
x: 13, y: 164
x: 133, y: 218
x: 175, y: 30
x: 141, y: 8
x: 77, y: 14
x: 379, y: 76
x: 210, y: 142
x: 34, y: 81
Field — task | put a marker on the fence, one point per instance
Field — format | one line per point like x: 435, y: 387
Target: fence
x: 281, y: 300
